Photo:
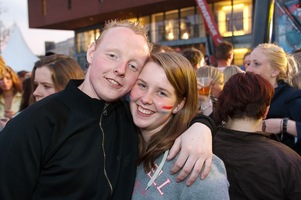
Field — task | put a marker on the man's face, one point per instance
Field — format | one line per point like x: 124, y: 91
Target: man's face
x: 115, y: 64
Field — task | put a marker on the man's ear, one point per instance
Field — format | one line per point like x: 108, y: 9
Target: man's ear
x: 230, y: 56
x: 90, y: 52
x: 178, y: 107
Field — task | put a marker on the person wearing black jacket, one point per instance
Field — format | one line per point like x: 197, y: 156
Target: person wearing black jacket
x: 81, y: 143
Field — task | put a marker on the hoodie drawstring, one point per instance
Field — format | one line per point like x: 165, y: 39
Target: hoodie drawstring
x: 156, y: 174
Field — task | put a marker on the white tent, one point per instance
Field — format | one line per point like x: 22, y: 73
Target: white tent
x: 17, y: 54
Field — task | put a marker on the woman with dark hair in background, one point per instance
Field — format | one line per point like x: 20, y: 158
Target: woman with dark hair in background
x: 257, y: 166
x: 52, y: 73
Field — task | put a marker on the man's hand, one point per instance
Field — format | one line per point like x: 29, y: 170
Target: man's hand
x: 195, y: 156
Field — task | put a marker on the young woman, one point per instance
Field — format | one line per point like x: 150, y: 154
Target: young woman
x: 52, y: 73
x: 257, y: 166
x: 275, y: 65
x: 164, y: 100
x: 10, y: 92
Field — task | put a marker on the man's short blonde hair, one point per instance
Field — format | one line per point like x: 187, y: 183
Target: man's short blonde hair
x: 134, y: 26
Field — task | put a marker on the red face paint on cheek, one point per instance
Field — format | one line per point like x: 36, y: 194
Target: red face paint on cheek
x: 167, y: 107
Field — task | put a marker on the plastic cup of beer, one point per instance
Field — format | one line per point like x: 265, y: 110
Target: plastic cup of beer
x: 205, y: 83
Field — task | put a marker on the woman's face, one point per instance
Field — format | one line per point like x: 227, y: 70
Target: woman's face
x: 6, y: 82
x: 43, y: 83
x: 259, y: 64
x: 153, y: 100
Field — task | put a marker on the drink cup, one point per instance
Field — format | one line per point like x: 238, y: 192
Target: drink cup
x: 205, y: 83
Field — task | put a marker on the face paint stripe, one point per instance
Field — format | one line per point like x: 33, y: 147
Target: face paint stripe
x: 167, y: 107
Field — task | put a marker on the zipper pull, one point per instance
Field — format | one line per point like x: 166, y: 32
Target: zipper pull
x: 104, y: 112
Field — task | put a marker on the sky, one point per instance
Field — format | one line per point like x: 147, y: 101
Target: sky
x: 16, y: 12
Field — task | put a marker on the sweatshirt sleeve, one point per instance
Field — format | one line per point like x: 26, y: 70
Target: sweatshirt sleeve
x: 200, y: 118
x: 213, y: 187
x: 19, y: 160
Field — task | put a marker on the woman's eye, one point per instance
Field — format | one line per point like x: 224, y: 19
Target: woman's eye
x: 47, y: 86
x: 141, y: 85
x: 161, y: 93
x: 257, y: 64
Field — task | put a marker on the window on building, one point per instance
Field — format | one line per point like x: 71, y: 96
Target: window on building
x: 188, y: 23
x: 132, y: 19
x: 144, y: 21
x: 239, y: 56
x: 200, y: 29
x: 172, y: 25
x: 84, y: 39
x: 286, y: 33
x: 234, y: 18
x: 180, y: 24
x: 157, y: 28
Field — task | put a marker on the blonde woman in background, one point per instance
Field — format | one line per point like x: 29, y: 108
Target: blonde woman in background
x: 230, y: 71
x: 207, y: 102
x: 272, y: 63
x: 296, y: 81
x: 10, y: 93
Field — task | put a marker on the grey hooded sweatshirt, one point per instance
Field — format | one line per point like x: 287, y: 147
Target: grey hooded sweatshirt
x: 160, y: 184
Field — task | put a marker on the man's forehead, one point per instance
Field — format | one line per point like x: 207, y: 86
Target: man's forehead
x: 119, y: 31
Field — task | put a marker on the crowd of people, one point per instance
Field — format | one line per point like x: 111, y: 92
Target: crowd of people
x: 134, y: 126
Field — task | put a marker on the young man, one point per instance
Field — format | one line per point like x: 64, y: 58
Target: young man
x: 81, y: 143
x: 195, y: 57
x: 224, y: 55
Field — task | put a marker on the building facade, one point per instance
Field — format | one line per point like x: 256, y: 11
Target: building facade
x: 65, y: 47
x: 175, y: 23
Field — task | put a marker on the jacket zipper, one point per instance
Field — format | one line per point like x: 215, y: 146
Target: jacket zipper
x: 104, y: 112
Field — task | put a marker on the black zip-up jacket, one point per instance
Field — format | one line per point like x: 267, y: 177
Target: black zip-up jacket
x: 71, y: 147
x: 286, y: 102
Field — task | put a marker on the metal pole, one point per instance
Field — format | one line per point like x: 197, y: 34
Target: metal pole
x: 263, y: 23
